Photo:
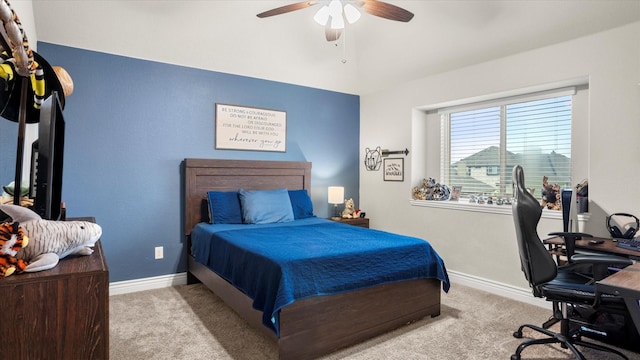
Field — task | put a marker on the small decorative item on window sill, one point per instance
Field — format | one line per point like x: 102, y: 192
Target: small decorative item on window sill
x: 482, y: 199
x: 455, y: 192
x: 550, y: 195
x: 429, y: 189
x: 582, y: 196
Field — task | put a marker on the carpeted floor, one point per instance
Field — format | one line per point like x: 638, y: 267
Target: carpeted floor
x: 190, y: 322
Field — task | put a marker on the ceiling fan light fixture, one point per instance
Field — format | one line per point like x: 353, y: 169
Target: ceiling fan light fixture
x: 335, y: 10
x: 337, y: 22
x: 333, y: 13
x: 322, y: 16
x: 351, y: 13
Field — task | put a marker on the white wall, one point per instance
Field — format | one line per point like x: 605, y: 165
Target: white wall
x: 482, y: 244
x: 24, y: 10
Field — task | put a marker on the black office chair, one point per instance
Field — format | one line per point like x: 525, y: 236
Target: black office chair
x: 568, y: 287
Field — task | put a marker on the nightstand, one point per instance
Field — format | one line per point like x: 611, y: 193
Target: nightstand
x: 362, y: 222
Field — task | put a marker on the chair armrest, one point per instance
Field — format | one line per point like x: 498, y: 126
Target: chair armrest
x: 601, y: 263
x: 601, y: 259
x: 574, y: 235
x: 570, y: 241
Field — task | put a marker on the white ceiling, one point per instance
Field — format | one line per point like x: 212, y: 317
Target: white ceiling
x: 226, y: 36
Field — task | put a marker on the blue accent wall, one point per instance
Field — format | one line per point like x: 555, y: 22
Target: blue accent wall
x: 131, y: 122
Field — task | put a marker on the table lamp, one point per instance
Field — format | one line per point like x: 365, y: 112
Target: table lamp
x: 336, y: 196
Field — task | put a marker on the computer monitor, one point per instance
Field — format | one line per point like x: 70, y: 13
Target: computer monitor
x: 47, y: 160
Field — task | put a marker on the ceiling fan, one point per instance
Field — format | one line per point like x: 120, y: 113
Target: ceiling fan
x: 333, y: 13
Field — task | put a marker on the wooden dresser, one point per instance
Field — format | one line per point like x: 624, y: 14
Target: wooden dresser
x: 61, y: 313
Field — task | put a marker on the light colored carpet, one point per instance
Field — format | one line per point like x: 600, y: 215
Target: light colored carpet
x: 190, y: 322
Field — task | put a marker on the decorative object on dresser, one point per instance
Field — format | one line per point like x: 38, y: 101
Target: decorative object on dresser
x: 312, y: 326
x: 12, y: 240
x: 29, y: 80
x: 51, y: 240
x: 61, y: 313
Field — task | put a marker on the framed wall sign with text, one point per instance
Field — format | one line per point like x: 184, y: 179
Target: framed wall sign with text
x: 248, y: 128
x: 393, y: 169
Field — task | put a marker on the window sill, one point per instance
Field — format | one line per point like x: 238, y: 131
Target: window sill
x: 462, y: 205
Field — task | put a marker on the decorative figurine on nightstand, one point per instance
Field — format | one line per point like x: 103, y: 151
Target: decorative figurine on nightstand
x: 349, y: 209
x: 12, y: 240
x: 50, y: 241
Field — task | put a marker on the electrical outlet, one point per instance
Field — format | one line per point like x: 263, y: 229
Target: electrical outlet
x: 159, y: 252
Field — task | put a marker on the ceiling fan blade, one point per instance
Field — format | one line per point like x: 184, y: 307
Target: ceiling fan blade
x: 287, y: 8
x: 331, y: 34
x: 386, y: 10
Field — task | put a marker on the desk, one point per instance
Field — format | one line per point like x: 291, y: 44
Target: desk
x: 625, y: 283
x: 609, y: 246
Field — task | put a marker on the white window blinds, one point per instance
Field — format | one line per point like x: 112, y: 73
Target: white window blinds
x: 482, y: 143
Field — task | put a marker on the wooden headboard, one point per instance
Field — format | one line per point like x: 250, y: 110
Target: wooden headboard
x: 203, y: 175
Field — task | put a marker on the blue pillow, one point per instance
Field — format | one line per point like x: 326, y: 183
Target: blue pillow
x: 265, y: 206
x: 301, y: 204
x: 224, y: 207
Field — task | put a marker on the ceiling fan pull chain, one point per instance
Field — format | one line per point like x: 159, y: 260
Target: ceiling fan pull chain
x: 344, y: 46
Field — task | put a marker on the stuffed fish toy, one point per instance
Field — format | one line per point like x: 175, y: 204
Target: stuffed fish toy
x: 50, y: 241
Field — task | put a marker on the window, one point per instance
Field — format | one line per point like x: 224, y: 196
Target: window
x: 481, y: 144
x: 493, y: 170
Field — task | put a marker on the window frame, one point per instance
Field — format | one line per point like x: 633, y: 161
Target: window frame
x: 501, y: 109
x: 427, y: 155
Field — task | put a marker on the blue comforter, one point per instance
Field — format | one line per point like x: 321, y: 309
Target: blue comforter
x: 277, y: 264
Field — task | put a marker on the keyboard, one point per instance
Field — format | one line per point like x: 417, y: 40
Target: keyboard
x: 629, y: 244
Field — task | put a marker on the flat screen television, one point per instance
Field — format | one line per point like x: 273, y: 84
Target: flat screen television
x: 47, y: 160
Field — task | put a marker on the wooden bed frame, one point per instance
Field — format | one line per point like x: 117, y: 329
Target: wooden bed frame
x: 314, y: 326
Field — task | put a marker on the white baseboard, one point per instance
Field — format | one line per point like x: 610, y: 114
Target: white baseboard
x: 508, y: 291
x: 494, y: 287
x: 156, y: 282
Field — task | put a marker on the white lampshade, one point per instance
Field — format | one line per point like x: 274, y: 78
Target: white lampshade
x: 336, y: 194
x: 351, y: 13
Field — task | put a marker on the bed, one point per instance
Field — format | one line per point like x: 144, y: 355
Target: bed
x: 312, y: 325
